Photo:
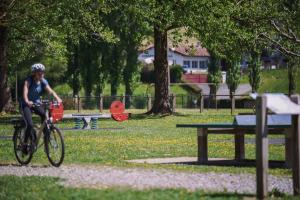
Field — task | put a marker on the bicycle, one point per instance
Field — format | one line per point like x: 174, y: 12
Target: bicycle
x: 52, y: 137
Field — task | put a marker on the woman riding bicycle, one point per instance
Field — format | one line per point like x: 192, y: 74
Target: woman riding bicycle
x: 33, y: 88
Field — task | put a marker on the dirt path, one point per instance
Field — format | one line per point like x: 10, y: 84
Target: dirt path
x: 101, y: 177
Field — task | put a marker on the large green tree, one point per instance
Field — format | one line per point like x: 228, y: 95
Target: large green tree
x: 29, y: 27
x: 220, y: 25
x: 214, y: 76
x: 233, y: 77
x: 254, y: 71
x: 164, y: 16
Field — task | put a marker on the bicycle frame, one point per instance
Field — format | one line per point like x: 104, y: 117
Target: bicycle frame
x: 40, y: 129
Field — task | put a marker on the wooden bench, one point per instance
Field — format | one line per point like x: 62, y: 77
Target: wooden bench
x: 243, y: 124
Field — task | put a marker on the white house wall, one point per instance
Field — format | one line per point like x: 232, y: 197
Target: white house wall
x: 175, y: 58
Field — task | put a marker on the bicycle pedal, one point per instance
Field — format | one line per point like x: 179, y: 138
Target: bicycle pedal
x: 35, y: 147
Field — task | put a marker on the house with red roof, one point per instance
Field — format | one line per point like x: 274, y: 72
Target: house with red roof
x: 193, y: 59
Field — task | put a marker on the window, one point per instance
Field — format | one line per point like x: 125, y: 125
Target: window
x: 174, y: 62
x: 194, y: 64
x: 186, y: 64
x: 203, y: 64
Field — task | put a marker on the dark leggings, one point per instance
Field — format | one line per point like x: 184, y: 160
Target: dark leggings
x: 27, y: 112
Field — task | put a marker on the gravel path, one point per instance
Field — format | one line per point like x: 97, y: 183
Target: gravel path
x: 102, y: 177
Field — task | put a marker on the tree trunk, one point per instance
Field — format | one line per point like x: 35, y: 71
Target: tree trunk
x: 76, y: 72
x: 4, y: 89
x: 100, y: 75
x: 292, y: 73
x: 115, y: 69
x: 130, y: 67
x: 161, y: 103
x: 212, y: 96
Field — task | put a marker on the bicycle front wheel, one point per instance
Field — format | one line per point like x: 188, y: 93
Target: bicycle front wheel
x: 55, y: 147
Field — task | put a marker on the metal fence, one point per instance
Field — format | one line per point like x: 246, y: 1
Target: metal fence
x: 200, y: 102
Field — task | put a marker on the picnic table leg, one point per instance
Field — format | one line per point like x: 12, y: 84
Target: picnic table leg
x: 202, y: 145
x: 86, y: 123
x: 262, y: 160
x: 296, y: 154
x: 239, y: 140
x: 296, y: 147
x: 289, y: 148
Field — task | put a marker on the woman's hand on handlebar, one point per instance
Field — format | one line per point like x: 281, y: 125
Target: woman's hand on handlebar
x: 58, y: 100
x: 29, y: 103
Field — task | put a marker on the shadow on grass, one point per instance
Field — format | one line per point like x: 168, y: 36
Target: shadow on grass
x: 273, y: 164
x: 152, y: 116
x: 144, y: 116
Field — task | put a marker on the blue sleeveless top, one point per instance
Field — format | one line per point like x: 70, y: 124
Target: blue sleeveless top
x: 35, y: 90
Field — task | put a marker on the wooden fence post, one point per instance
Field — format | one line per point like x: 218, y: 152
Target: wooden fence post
x: 232, y: 103
x: 78, y: 104
x: 149, y: 103
x: 75, y: 102
x: 123, y: 99
x: 262, y: 160
x: 201, y: 102
x: 216, y: 102
x: 101, y: 103
x: 296, y: 148
x: 173, y: 96
x: 202, y: 145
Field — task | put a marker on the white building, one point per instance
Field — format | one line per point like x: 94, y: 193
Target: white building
x: 193, y: 60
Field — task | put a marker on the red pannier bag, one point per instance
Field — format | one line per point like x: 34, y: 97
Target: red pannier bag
x: 56, y: 111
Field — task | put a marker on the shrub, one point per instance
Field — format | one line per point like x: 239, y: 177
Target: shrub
x: 147, y: 74
x: 139, y: 102
x: 176, y: 72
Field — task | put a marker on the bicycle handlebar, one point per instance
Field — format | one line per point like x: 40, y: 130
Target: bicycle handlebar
x: 45, y: 102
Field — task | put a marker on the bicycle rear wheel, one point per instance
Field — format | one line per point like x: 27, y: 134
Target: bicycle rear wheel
x: 23, y: 151
x: 55, y: 147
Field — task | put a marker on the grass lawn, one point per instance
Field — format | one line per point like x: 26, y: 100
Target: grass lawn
x: 274, y: 81
x: 147, y: 137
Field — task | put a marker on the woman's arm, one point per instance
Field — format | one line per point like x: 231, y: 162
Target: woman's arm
x: 50, y: 91
x: 25, y: 94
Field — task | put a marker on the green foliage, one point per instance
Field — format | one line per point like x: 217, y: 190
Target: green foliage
x: 176, y: 72
x: 55, y: 69
x: 37, y: 27
x: 284, y: 30
x: 214, y: 74
x: 233, y: 27
x: 233, y: 76
x: 140, y: 102
x: 254, y: 73
x: 147, y: 74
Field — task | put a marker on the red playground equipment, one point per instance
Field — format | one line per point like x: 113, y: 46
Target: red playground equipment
x: 117, y: 109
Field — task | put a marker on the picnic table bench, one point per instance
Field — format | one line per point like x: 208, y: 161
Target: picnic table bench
x: 87, y: 119
x: 242, y: 124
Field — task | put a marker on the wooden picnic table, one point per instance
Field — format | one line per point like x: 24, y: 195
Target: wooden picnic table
x: 243, y: 124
